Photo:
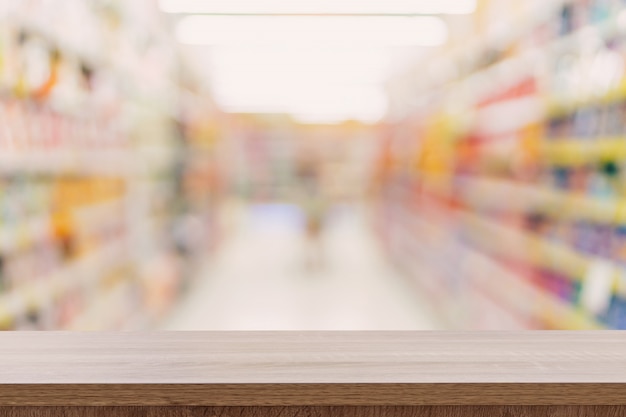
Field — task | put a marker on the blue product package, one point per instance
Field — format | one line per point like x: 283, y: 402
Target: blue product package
x: 587, y: 122
x: 577, y: 287
x: 561, y: 177
x: 615, y: 119
x: 586, y: 237
x: 619, y: 245
x: 610, y: 123
x: 558, y: 127
x: 600, y: 10
x: 603, y: 241
x: 591, y: 244
x: 615, y: 317
x: 621, y: 118
x: 566, y: 18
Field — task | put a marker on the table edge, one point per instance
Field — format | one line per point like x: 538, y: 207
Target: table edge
x: 437, y: 394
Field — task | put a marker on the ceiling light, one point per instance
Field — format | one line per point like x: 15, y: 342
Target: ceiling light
x: 293, y: 66
x: 365, y: 103
x: 312, y: 31
x: 317, y: 7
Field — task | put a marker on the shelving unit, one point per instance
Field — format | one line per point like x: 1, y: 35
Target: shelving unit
x: 518, y: 160
x: 89, y: 137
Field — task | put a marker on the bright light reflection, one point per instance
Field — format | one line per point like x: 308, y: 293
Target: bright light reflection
x: 326, y: 85
x: 311, y: 30
x: 375, y: 7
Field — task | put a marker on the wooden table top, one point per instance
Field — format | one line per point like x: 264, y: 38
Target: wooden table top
x: 321, y: 368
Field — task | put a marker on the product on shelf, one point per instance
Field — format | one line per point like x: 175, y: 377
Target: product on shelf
x: 521, y: 162
x: 82, y: 102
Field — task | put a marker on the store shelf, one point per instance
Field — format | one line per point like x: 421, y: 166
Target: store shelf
x: 559, y: 107
x: 512, y: 68
x: 531, y: 249
x: 91, y: 125
x: 573, y: 152
x: 485, y: 194
x: 564, y: 152
x: 514, y: 292
x: 94, y: 214
x: 478, y: 271
x: 82, y: 272
x: 508, y: 69
x: 543, y: 104
x: 109, y: 163
x: 21, y: 234
x: 99, y: 316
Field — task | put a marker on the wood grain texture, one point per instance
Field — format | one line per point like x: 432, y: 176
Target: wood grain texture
x: 312, y: 357
x: 311, y: 394
x: 458, y: 411
x: 312, y: 368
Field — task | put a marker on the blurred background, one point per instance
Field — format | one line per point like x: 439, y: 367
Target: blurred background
x: 312, y: 165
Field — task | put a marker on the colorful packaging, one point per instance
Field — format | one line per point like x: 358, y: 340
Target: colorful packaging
x: 615, y: 317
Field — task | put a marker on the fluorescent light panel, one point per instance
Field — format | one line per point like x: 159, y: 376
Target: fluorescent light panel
x: 317, y: 7
x: 329, y: 99
x: 327, y: 85
x: 312, y: 31
x: 365, y: 103
x: 291, y: 66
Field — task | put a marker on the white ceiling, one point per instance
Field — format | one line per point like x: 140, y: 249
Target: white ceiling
x: 315, y: 81
x: 313, y: 84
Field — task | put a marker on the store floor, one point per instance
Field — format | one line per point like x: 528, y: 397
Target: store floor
x: 258, y: 281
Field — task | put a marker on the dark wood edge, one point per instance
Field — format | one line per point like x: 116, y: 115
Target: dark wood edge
x: 310, y: 394
x: 322, y: 411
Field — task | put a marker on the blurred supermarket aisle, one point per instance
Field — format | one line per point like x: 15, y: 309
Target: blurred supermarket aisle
x: 258, y: 280
x: 488, y: 136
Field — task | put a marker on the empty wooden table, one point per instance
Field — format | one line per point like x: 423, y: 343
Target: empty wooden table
x: 355, y: 374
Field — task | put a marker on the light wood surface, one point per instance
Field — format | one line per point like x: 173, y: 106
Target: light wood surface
x: 312, y: 368
x: 312, y: 357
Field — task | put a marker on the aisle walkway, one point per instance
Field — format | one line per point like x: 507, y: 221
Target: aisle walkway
x: 257, y: 282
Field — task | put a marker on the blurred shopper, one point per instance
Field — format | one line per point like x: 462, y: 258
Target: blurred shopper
x: 312, y: 201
